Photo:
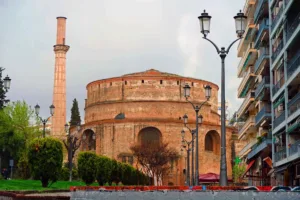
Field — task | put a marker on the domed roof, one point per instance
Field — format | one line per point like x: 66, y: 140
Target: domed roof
x: 151, y: 72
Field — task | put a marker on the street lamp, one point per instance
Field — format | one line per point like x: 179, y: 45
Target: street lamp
x: 44, y: 121
x: 71, y: 146
x: 7, y: 82
x: 187, y: 146
x: 240, y: 25
x: 197, y: 109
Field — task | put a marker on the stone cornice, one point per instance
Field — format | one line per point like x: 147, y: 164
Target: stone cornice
x: 61, y: 48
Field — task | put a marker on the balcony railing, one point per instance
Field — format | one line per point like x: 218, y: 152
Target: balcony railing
x: 291, y: 29
x: 264, y: 25
x: 277, y: 51
x: 280, y: 155
x: 294, y: 148
x: 293, y: 64
x: 276, y: 18
x: 294, y: 104
x: 244, y: 58
x: 264, y: 112
x: 279, y: 119
x: 246, y: 101
x: 246, y: 77
x: 262, y: 84
x: 263, y: 54
x: 247, y: 147
x: 250, y: 120
x: 278, y: 85
x: 259, y: 9
x: 259, y: 147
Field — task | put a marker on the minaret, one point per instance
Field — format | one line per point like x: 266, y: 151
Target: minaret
x: 59, y: 90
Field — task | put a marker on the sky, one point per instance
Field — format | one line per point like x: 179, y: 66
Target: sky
x: 109, y: 38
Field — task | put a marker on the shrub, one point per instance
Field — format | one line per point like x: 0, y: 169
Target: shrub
x: 45, y: 159
x: 86, y: 167
x: 103, y: 169
x: 65, y: 174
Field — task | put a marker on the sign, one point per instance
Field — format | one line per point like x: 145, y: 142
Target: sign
x: 11, y: 163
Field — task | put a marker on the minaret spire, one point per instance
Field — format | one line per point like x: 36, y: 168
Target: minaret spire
x: 59, y: 89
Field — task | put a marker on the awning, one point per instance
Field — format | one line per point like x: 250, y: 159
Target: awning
x: 278, y: 102
x: 280, y: 169
x: 248, y: 167
x: 210, y: 177
x: 270, y: 172
x: 268, y: 160
x: 292, y: 127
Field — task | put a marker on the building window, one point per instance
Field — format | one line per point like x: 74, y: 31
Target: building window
x: 125, y: 82
x: 161, y: 82
x: 177, y: 82
x: 126, y: 158
x: 208, y: 142
x: 110, y: 83
x: 192, y: 83
x: 142, y: 81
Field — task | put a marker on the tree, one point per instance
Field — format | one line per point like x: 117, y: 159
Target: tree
x: 75, y: 115
x: 239, y: 169
x: 16, y: 132
x: 45, y: 159
x: 2, y: 90
x: 155, y: 158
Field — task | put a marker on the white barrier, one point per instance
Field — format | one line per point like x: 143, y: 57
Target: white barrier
x: 186, y: 195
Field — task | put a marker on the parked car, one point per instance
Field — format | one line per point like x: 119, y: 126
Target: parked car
x: 296, y: 189
x: 280, y: 189
x: 251, y: 188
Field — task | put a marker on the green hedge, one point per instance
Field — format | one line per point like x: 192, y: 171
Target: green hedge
x: 108, y: 171
x: 45, y: 159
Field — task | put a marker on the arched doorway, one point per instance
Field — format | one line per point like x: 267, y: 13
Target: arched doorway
x: 149, y: 135
x: 212, y: 142
x: 88, y: 140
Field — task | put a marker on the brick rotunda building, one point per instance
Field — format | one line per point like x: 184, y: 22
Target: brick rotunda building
x: 125, y: 110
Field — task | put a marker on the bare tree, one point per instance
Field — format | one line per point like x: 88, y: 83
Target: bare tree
x: 155, y: 158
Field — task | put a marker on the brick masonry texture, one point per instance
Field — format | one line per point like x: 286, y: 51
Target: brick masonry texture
x: 153, y: 99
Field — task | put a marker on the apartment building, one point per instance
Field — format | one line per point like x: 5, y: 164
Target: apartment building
x: 255, y: 88
x: 285, y: 93
x: 270, y: 86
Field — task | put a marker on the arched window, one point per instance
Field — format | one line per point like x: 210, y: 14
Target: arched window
x: 212, y: 142
x: 149, y: 135
x: 88, y: 140
x: 209, y: 142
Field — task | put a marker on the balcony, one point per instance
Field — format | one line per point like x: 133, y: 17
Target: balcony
x: 277, y: 121
x: 247, y: 59
x: 261, y: 6
x: 277, y: 51
x: 264, y: 83
x: 294, y: 148
x: 263, y: 57
x: 247, y: 148
x: 280, y: 155
x: 244, y: 85
x: 294, y: 104
x: 248, y: 35
x: 259, y: 147
x: 293, y: 127
x: 278, y: 85
x: 247, y: 101
x: 276, y: 18
x: 263, y: 114
x: 293, y: 64
x: 248, y: 126
x: 291, y: 29
x: 263, y: 29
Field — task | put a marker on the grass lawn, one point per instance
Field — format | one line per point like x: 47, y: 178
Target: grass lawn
x: 37, y: 185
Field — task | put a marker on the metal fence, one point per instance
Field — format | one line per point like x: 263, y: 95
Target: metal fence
x: 186, y: 195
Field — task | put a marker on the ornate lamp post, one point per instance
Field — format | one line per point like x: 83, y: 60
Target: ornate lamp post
x: 240, y: 25
x: 187, y: 146
x: 44, y: 121
x: 197, y: 108
x: 7, y: 82
x: 71, y: 146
